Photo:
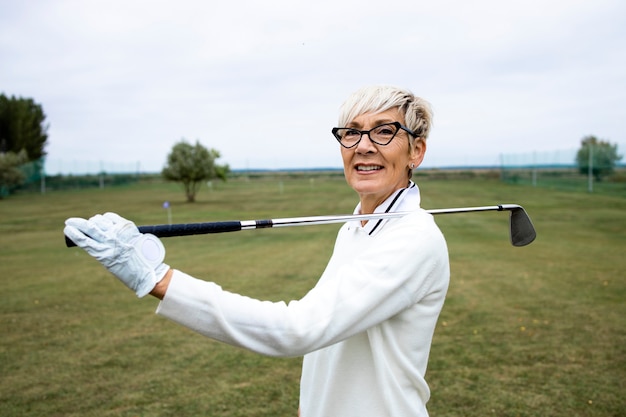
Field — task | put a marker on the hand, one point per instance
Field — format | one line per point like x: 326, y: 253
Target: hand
x: 135, y: 259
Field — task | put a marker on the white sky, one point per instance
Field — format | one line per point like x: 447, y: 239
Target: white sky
x: 122, y: 81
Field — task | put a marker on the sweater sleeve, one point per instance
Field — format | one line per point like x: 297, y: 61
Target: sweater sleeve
x: 364, y: 284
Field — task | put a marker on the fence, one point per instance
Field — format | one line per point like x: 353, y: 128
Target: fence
x: 555, y: 169
x: 37, y: 177
x: 84, y: 167
x: 559, y: 170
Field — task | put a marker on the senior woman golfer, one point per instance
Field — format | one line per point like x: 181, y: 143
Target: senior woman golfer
x: 365, y: 329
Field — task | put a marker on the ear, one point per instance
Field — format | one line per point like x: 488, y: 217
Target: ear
x: 417, y: 152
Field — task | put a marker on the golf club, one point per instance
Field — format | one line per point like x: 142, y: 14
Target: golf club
x: 522, y: 231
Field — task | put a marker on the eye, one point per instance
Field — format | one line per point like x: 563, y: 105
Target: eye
x: 351, y: 133
x: 384, y: 130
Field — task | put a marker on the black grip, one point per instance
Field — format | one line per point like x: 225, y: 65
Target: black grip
x: 183, y: 229
x: 188, y: 229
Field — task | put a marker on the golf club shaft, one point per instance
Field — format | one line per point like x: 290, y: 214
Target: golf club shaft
x: 522, y: 231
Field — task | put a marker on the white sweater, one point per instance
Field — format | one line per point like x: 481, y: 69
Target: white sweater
x: 365, y: 328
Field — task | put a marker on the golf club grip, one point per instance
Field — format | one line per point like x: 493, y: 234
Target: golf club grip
x: 183, y: 229
x: 188, y: 229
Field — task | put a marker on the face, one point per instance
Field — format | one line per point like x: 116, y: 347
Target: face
x: 376, y: 171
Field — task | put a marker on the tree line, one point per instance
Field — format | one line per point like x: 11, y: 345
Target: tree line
x: 23, y: 138
x: 597, y: 157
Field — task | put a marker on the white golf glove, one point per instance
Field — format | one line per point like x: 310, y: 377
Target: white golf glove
x: 135, y: 259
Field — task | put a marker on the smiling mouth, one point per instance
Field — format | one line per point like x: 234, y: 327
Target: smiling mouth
x: 368, y: 167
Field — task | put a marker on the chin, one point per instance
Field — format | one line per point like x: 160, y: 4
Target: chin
x: 364, y: 187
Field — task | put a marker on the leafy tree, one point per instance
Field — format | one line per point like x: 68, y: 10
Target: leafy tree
x: 10, y: 174
x: 603, y: 157
x: 192, y: 165
x: 22, y: 127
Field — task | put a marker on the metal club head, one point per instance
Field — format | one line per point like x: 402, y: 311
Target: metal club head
x: 522, y: 229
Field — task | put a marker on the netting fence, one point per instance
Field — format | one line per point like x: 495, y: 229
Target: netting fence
x: 79, y: 174
x: 559, y: 169
x: 556, y: 169
x: 56, y: 166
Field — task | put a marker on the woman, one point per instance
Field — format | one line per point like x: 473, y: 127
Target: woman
x: 366, y: 327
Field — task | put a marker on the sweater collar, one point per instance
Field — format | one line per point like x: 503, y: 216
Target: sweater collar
x: 404, y: 199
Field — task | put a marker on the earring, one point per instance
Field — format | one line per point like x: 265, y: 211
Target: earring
x: 412, y: 166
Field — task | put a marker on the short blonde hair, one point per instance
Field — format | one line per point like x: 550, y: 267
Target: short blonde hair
x: 417, y: 112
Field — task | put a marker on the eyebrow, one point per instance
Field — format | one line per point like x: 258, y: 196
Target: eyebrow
x: 376, y: 122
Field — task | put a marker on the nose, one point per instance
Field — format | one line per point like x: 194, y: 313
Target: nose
x: 365, y: 145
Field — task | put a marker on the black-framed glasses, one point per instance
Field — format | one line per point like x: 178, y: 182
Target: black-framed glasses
x: 349, y: 137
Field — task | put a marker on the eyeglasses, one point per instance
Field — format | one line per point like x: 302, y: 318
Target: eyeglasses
x: 349, y: 137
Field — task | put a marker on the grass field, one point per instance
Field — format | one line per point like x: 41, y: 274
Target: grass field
x: 532, y: 331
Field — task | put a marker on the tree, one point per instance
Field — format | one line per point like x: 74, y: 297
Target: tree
x: 602, y: 155
x: 10, y: 174
x: 192, y: 165
x: 22, y: 127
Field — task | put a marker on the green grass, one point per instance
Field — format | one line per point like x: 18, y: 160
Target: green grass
x: 532, y: 331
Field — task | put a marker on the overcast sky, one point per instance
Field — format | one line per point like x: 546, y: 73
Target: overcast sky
x: 261, y: 81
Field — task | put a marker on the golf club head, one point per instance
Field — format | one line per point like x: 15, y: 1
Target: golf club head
x: 522, y: 229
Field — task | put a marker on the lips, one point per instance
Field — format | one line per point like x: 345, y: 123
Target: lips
x: 367, y: 168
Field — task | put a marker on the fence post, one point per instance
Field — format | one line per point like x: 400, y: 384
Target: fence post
x: 590, y: 170
x: 534, y: 174
x: 43, y: 179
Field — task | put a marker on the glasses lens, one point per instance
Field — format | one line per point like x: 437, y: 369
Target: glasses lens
x: 348, y: 137
x: 384, y: 133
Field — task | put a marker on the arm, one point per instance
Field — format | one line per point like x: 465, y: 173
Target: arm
x: 361, y: 287
x: 160, y: 288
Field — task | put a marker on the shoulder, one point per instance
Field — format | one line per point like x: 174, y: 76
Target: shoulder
x: 418, y: 219
x: 417, y: 229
